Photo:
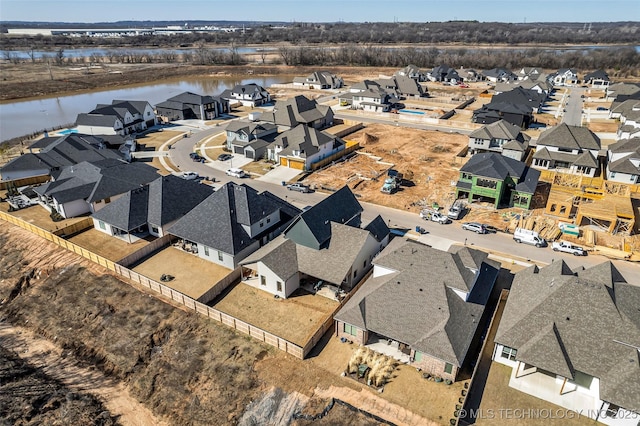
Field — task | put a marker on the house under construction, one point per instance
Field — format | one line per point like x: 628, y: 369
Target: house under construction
x: 591, y: 201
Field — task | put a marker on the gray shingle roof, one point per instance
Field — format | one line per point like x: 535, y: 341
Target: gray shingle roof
x: 297, y: 110
x: 573, y: 137
x: 162, y: 201
x: 582, y: 320
x: 417, y: 305
x: 98, y: 180
x: 217, y: 221
x: 339, y: 207
x: 305, y: 139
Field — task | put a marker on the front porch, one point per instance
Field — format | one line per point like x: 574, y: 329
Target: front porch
x: 555, y: 389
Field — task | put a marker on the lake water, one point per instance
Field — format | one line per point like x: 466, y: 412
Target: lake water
x: 23, y: 118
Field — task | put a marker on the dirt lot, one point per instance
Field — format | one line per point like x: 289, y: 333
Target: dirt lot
x: 193, y: 275
x: 39, y: 216
x: 427, y: 159
x: 278, y: 316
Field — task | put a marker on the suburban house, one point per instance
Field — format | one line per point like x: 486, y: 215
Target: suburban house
x: 150, y: 209
x: 501, y: 137
x: 121, y: 117
x: 521, y: 96
x: 628, y: 112
x: 324, y: 245
x: 621, y: 92
x: 413, y: 72
x: 518, y: 114
x: 597, y: 79
x: 422, y: 305
x: 87, y: 187
x: 251, y: 95
x: 564, y: 77
x: 499, y: 75
x: 403, y: 86
x: 299, y: 110
x: 245, y: 137
x: 191, y: 106
x: 319, y: 80
x: 539, y: 86
x: 232, y: 223
x: 571, y: 338
x: 302, y: 146
x: 571, y: 149
x: 374, y: 100
x: 623, y: 161
x: 445, y: 74
x: 497, y: 179
x: 54, y: 153
x: 529, y: 73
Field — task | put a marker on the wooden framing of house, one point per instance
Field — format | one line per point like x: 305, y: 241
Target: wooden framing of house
x: 612, y: 213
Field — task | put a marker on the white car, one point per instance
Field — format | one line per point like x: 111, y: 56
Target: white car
x: 189, y: 175
x: 239, y: 173
x: 567, y: 247
x: 440, y: 218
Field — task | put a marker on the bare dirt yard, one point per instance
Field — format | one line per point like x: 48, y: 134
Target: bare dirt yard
x: 426, y: 158
x: 184, y: 368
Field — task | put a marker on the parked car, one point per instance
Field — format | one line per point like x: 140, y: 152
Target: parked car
x: 239, y: 173
x: 196, y: 157
x: 475, y: 227
x: 567, y: 247
x: 224, y: 157
x: 189, y: 175
x: 602, y: 109
x: 440, y: 218
x: 456, y: 210
x: 298, y: 187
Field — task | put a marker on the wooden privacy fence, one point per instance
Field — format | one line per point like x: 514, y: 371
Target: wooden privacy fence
x: 109, y: 264
x: 221, y: 286
x: 176, y: 296
x: 16, y: 183
x: 146, y: 250
x: 74, y: 227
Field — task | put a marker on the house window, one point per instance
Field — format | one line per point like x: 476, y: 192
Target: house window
x: 107, y: 200
x: 448, y: 368
x: 364, y: 264
x: 417, y: 357
x: 220, y: 257
x: 355, y: 273
x: 101, y: 225
x: 268, y: 220
x: 349, y: 329
x: 263, y: 280
x: 279, y: 285
x: 261, y: 225
x: 613, y: 174
x: 154, y: 229
x: 612, y: 410
x: 509, y: 353
x: 466, y: 176
x: 487, y: 183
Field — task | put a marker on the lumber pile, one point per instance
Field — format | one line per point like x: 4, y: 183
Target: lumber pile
x: 546, y: 227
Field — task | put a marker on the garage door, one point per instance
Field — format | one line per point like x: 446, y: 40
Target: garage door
x: 283, y: 161
x: 238, y: 150
x: 249, y: 153
x: 299, y: 165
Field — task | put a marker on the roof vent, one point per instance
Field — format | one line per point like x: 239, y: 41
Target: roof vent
x: 397, y: 282
x: 420, y: 289
x: 568, y: 318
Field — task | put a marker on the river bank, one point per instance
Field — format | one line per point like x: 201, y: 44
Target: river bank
x: 28, y: 81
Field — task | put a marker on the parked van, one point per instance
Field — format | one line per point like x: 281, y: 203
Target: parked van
x: 529, y: 237
x: 239, y: 173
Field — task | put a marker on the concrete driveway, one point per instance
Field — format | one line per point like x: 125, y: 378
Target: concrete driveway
x: 279, y: 174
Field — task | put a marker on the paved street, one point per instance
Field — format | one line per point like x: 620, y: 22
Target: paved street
x: 572, y: 115
x: 438, y: 235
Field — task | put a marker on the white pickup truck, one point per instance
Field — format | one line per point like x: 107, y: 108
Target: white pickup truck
x: 568, y: 248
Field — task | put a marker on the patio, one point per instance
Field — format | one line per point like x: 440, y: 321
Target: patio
x: 193, y: 276
x: 387, y: 347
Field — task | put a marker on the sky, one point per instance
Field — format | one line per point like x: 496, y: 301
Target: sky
x: 516, y: 11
